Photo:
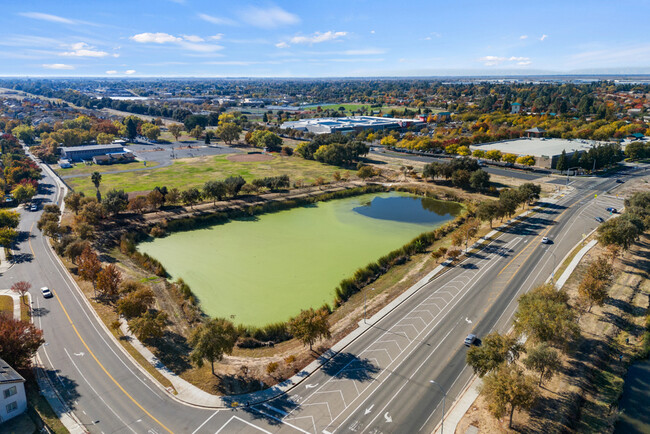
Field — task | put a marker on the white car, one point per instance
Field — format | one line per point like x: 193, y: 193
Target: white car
x: 33, y: 207
x: 545, y: 240
x: 46, y: 292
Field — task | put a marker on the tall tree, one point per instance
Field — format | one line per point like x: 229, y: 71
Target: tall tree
x: 22, y: 288
x: 136, y: 303
x: 96, y: 179
x: 108, y: 281
x: 543, y: 359
x: 19, y: 341
x: 234, y: 184
x: 495, y: 350
x: 562, y: 163
x: 176, y: 130
x: 309, y: 326
x: 89, y: 265
x: 115, y: 201
x: 151, y: 325
x: 215, y: 190
x: 510, y: 388
x: 211, y: 340
x: 228, y: 132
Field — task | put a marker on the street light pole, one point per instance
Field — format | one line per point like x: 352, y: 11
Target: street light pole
x: 444, y: 395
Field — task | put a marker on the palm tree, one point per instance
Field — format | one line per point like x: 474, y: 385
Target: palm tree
x: 96, y: 177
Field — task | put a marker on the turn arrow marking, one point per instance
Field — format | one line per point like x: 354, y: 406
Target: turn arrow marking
x: 311, y: 386
x: 388, y: 418
x: 369, y: 409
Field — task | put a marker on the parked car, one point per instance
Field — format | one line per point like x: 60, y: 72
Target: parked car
x: 510, y: 165
x: 470, y: 340
x: 612, y: 210
x: 620, y: 181
x: 545, y: 240
x: 46, y: 292
x: 600, y: 220
x: 33, y: 207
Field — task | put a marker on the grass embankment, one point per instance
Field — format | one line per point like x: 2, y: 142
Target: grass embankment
x: 87, y: 169
x: 193, y: 172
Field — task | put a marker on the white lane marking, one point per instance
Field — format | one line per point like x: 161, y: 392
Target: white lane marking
x: 388, y: 418
x: 277, y: 419
x: 311, y: 386
x: 81, y: 354
x: 468, y: 321
x: 242, y: 420
x: 205, y: 421
x: 277, y: 410
x: 97, y: 393
x: 369, y: 409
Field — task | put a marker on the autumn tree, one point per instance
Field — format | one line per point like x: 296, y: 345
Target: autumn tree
x: 151, y: 325
x: 496, y: 349
x: 508, y: 389
x: 621, y: 231
x: 228, y: 132
x: 176, y: 130
x: 23, y: 193
x: 89, y: 265
x: 9, y: 219
x: 309, y: 326
x: 19, y: 341
x: 137, y: 204
x: 211, y: 340
x: 22, y: 288
x: 73, y: 201
x: 108, y: 281
x: 135, y: 303
x: 544, y: 360
x: 196, y: 132
x: 156, y: 199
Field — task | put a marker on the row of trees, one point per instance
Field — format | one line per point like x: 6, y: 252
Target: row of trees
x: 624, y: 230
x: 463, y: 172
x: 509, y: 201
x: 550, y: 324
x: 335, y: 149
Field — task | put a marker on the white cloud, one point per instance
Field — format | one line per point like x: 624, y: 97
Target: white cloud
x: 193, y: 38
x: 543, y: 37
x: 57, y: 66
x: 268, y: 18
x: 111, y: 72
x: 81, y: 49
x: 364, y: 52
x: 282, y: 45
x: 217, y: 20
x: 317, y: 37
x: 372, y: 32
x: 428, y: 38
x: 216, y: 37
x: 496, y: 60
x: 129, y: 71
x: 47, y: 17
x: 523, y: 37
x: 155, y: 38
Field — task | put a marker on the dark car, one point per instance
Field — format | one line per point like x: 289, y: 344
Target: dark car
x: 620, y: 181
x: 612, y: 210
x: 470, y: 340
x: 600, y: 220
x: 510, y: 165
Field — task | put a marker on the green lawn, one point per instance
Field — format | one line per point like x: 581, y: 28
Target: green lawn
x: 84, y: 169
x: 195, y: 172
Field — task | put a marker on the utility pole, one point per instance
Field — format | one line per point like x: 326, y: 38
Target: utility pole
x: 444, y: 396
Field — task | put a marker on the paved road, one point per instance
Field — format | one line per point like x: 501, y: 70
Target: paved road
x: 379, y: 383
x: 494, y: 170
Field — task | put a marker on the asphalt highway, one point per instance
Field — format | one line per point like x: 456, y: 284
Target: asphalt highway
x: 379, y: 383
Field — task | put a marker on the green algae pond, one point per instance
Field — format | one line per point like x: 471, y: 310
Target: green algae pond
x: 267, y: 268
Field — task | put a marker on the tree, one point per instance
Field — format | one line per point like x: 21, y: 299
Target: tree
x: 461, y: 178
x: 138, y: 204
x: 228, y: 132
x: 9, y: 219
x: 22, y: 288
x: 234, y: 184
x: 211, y: 340
x: 173, y: 196
x: 104, y: 139
x: 74, y: 201
x: 509, y: 158
x: 24, y: 193
x: 25, y: 133
x: 92, y: 212
x: 131, y: 124
x: 196, y: 132
x: 508, y: 387
x: 75, y: 249
x: 544, y: 315
x: 509, y: 201
x: 487, y: 211
x: 19, y: 341
x: 156, y: 199
x: 562, y: 163
x: 478, y: 153
x: 215, y: 190
x: 480, y: 180
x: 190, y: 196
x: 108, y: 281
x: 7, y: 237
x: 493, y: 155
x: 529, y: 192
x: 150, y: 131
x: 366, y: 172
x: 151, y: 325
x: 495, y: 350
x: 389, y: 141
x: 309, y: 326
x: 115, y: 201
x: 96, y: 178
x: 176, y: 130
x: 526, y: 160
x: 593, y: 290
x: 136, y: 303
x: 89, y: 265
x: 621, y: 231
x: 543, y: 359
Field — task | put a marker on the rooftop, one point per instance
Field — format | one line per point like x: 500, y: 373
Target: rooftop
x: 8, y: 374
x: 538, y: 147
x: 91, y: 147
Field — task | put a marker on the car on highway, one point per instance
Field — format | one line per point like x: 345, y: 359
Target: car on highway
x: 600, y: 220
x: 545, y: 240
x: 620, y: 181
x: 470, y: 340
x: 46, y: 292
x: 33, y: 207
x: 509, y: 165
x: 612, y: 210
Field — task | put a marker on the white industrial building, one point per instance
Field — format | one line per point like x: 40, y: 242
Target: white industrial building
x: 351, y: 124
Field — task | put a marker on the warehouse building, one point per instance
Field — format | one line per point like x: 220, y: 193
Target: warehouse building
x: 545, y: 151
x: 351, y: 124
x: 82, y: 153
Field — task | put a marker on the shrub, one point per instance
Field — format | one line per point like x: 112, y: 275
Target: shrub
x: 272, y: 367
x: 157, y: 232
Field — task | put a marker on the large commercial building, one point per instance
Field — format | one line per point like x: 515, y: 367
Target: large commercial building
x: 81, y: 153
x: 545, y: 151
x: 351, y: 124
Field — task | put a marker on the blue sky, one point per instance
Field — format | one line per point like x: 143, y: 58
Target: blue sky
x: 196, y: 38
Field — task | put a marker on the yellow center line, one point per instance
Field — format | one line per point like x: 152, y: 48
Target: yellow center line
x: 95, y: 357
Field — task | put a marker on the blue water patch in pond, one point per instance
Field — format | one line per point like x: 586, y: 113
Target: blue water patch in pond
x: 409, y: 209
